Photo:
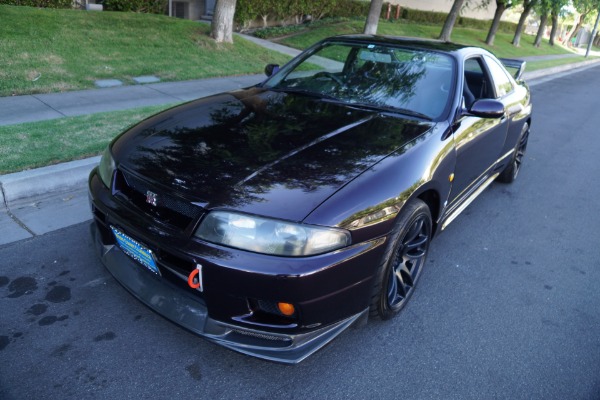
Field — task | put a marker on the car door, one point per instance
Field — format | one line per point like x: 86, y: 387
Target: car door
x: 512, y: 96
x: 479, y: 141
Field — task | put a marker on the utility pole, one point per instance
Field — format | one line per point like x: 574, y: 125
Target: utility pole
x: 589, y: 46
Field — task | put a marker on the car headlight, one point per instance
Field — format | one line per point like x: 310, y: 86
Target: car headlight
x: 269, y: 236
x: 106, y: 168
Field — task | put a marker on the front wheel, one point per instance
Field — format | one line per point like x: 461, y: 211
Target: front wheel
x: 403, y: 260
x: 509, y: 174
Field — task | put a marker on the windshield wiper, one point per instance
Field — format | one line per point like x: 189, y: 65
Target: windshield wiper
x: 393, y: 109
x: 303, y: 92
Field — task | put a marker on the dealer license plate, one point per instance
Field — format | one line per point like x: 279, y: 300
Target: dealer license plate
x: 135, y: 250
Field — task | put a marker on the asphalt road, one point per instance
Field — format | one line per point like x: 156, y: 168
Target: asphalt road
x: 508, y: 307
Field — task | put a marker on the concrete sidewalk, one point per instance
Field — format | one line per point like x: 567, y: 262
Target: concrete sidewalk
x: 39, y: 107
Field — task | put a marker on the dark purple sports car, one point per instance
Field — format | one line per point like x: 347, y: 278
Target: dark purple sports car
x: 270, y: 219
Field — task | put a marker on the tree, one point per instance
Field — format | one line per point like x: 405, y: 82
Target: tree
x: 450, y: 20
x: 594, y: 31
x: 501, y: 6
x: 554, y: 30
x: 319, y: 9
x: 583, y: 7
x: 543, y: 9
x: 542, y: 28
x: 527, y: 7
x: 373, y: 17
x: 554, y: 7
x: 222, y: 21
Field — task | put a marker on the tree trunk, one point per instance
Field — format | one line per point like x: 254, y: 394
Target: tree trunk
x: 554, y: 27
x: 527, y: 7
x: 541, y: 29
x: 222, y: 21
x: 373, y: 17
x: 575, y: 29
x: 500, y: 8
x: 569, y: 35
x: 593, y: 35
x: 450, y: 20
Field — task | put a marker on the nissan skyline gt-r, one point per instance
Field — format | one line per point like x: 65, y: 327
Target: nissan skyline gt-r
x: 269, y: 219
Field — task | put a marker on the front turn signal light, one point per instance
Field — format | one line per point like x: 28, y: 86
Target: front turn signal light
x: 286, y: 309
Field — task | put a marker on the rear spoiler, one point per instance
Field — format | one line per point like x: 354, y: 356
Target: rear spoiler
x: 518, y: 66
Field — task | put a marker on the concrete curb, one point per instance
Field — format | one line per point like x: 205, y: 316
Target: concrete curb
x: 556, y: 70
x: 2, y: 202
x: 36, y: 182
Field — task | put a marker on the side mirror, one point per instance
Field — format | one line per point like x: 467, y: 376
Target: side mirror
x: 270, y: 69
x: 487, y: 108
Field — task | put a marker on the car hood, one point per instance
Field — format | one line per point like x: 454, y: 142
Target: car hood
x: 260, y: 151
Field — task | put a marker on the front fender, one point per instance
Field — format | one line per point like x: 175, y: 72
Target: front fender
x: 368, y: 205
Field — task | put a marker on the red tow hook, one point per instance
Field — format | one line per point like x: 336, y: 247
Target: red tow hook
x: 195, y: 278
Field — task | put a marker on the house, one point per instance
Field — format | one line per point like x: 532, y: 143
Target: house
x: 192, y: 9
x: 472, y: 11
x: 203, y: 9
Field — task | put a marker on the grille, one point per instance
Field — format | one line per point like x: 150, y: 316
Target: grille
x: 169, y: 209
x: 261, y: 335
x: 172, y: 203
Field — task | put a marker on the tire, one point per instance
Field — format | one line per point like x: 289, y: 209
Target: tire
x: 403, y: 260
x: 510, y: 173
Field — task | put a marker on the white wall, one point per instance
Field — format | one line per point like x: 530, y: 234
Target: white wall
x: 445, y: 5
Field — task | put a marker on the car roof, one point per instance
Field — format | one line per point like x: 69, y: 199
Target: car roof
x: 417, y: 43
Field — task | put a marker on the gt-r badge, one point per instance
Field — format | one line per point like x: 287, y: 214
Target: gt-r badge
x: 151, y: 198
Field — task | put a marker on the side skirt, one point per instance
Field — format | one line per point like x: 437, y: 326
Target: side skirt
x: 455, y: 213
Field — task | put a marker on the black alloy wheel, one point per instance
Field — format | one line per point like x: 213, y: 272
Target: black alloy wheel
x: 512, y: 170
x: 403, y: 261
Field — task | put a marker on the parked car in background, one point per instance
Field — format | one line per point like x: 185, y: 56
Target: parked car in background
x: 270, y: 219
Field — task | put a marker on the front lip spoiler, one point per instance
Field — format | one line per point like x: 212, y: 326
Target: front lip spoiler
x: 192, y: 314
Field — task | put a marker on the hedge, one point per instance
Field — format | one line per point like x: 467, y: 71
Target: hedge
x: 438, y: 18
x: 39, y: 3
x: 143, y: 6
x: 249, y: 10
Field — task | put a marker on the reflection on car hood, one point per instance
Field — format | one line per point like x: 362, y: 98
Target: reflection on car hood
x: 261, y: 151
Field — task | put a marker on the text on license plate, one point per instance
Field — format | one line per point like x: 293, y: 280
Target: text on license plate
x: 135, y: 250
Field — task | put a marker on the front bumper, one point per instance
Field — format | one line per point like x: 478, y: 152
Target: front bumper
x: 191, y: 312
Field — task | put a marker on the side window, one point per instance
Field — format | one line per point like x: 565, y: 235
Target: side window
x: 502, y: 81
x: 476, y: 81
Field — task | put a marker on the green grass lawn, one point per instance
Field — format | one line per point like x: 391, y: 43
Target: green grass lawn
x: 37, y: 144
x: 49, y: 50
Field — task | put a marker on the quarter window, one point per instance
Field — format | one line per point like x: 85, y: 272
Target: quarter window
x: 502, y: 82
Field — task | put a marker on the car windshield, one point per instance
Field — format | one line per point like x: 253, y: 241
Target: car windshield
x: 411, y: 81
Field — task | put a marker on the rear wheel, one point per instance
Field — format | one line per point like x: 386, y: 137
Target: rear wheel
x: 403, y: 260
x: 512, y: 170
